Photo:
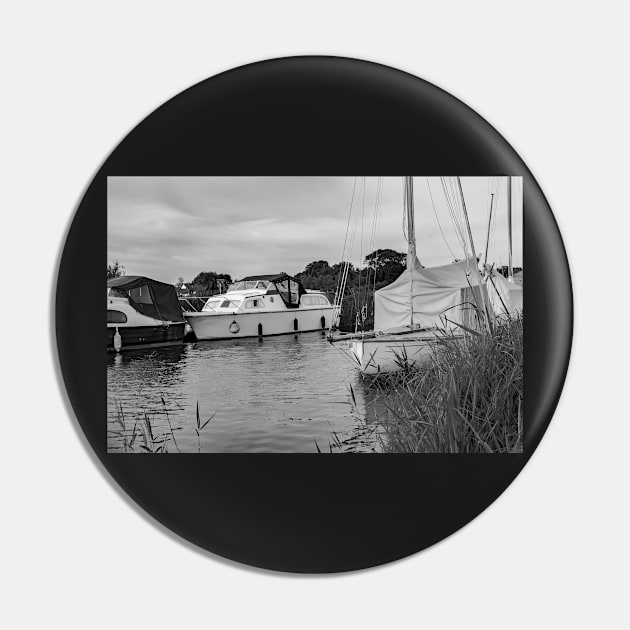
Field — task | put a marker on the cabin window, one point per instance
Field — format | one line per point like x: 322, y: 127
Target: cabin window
x: 113, y: 292
x: 116, y: 317
x: 314, y: 300
x: 230, y: 303
x: 254, y: 303
x: 211, y: 305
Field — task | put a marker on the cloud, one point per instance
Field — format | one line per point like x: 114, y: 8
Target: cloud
x: 171, y: 227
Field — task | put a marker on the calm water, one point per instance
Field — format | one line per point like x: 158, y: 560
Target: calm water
x: 282, y: 394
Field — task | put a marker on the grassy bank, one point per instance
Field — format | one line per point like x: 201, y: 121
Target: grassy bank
x: 467, y: 399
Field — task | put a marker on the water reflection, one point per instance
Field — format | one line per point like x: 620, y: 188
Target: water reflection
x: 284, y: 394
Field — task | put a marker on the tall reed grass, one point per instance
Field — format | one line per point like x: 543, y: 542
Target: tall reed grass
x: 468, y: 398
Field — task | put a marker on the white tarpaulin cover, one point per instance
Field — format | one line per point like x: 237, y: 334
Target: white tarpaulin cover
x: 438, y: 292
x: 506, y: 296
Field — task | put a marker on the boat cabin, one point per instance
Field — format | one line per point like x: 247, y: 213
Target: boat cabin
x: 151, y: 298
x: 269, y: 293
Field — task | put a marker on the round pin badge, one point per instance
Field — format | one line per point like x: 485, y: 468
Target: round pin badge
x: 312, y: 354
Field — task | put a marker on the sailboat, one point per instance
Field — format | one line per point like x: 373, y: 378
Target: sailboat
x: 423, y: 304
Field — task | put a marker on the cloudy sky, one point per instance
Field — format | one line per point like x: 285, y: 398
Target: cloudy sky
x: 172, y: 227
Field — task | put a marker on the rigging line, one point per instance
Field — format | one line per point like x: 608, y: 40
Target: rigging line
x: 361, y: 243
x: 372, y: 238
x: 375, y: 215
x: 354, y: 188
x: 343, y: 253
x: 490, y: 217
x: 354, y: 233
x: 379, y: 197
x: 438, y: 220
x: 346, y: 267
x: 453, y: 207
x: 499, y: 185
x: 352, y: 238
x: 452, y: 211
x: 460, y: 216
x: 456, y: 205
x: 375, y: 218
x: 495, y: 219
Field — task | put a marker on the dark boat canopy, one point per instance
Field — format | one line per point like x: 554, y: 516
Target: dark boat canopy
x: 149, y: 297
x: 290, y: 289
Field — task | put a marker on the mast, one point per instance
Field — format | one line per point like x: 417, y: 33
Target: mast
x: 485, y: 259
x: 509, y: 194
x: 411, y: 237
x: 472, y: 247
x: 411, y: 226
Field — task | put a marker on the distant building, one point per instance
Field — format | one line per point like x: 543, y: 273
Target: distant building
x: 184, y: 291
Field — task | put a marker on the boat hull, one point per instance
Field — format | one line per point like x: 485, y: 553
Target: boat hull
x: 390, y: 353
x: 260, y: 324
x: 145, y: 336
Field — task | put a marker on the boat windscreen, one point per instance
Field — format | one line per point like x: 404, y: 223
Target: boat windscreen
x: 212, y: 305
x: 290, y: 291
x: 248, y: 285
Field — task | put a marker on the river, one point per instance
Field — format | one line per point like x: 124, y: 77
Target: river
x: 283, y: 394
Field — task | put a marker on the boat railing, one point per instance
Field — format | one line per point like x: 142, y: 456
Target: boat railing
x: 193, y: 304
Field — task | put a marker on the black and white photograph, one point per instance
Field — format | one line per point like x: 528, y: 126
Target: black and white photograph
x: 355, y: 314
x: 384, y: 469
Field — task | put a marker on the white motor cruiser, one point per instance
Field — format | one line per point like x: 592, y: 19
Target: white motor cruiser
x: 260, y: 306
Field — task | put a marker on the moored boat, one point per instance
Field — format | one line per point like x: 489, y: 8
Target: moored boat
x: 142, y: 313
x: 412, y: 312
x: 422, y: 304
x: 260, y: 306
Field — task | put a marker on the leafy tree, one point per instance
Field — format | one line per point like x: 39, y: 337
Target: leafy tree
x: 387, y: 264
x: 115, y: 270
x: 317, y: 268
x: 209, y: 282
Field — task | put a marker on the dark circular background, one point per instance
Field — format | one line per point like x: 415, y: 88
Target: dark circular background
x: 312, y: 116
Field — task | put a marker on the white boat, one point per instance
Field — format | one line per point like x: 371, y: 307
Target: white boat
x: 422, y: 304
x: 142, y: 313
x: 261, y: 306
x: 412, y: 312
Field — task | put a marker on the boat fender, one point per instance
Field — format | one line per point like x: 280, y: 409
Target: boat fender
x: 117, y: 340
x: 295, y: 324
x: 234, y: 327
x: 323, y: 320
x: 260, y: 330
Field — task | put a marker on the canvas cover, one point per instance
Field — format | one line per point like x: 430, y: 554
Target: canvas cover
x: 150, y: 297
x: 289, y: 288
x: 449, y: 291
x: 504, y: 295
